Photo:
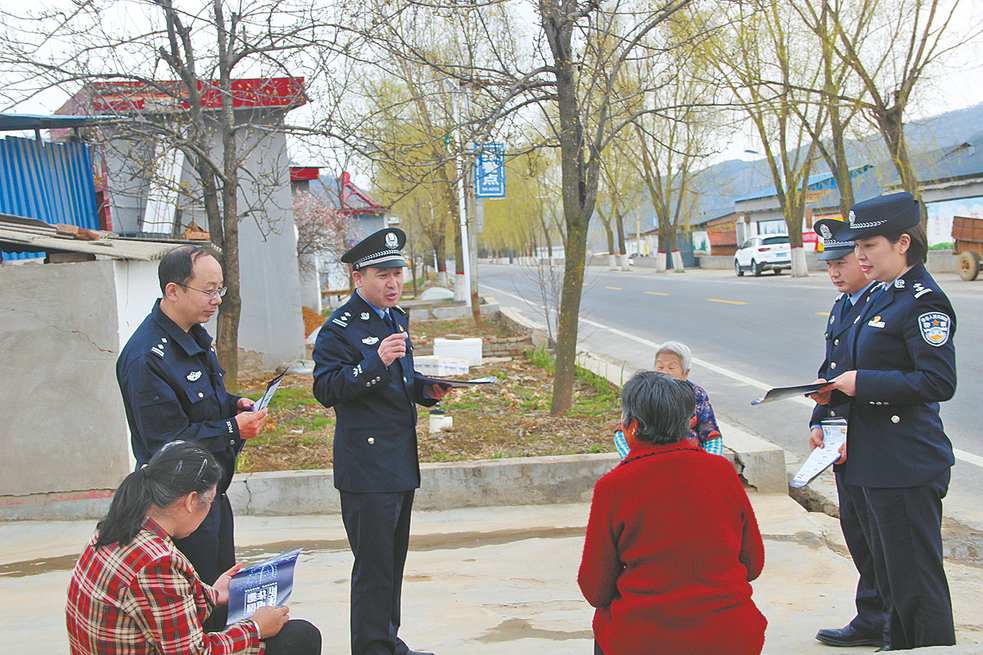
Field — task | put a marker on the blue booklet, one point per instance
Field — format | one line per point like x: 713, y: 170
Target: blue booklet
x: 266, y: 584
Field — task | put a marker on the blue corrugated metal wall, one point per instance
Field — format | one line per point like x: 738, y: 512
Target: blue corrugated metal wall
x: 51, y: 182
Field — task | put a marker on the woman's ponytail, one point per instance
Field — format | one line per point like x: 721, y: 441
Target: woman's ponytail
x: 176, y: 470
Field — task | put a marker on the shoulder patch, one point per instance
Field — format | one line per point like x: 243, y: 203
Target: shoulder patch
x: 935, y: 327
x: 157, y: 351
x: 340, y: 320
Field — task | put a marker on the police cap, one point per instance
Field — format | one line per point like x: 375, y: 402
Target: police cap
x: 832, y: 248
x: 378, y: 250
x: 879, y: 216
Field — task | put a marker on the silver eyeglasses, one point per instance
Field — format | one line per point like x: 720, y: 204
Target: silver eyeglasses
x: 212, y: 295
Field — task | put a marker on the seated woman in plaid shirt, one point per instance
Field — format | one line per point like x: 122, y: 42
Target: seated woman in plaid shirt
x: 674, y: 358
x: 133, y: 592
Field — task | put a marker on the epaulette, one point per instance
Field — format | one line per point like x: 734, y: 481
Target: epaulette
x: 919, y: 289
x: 400, y: 310
x: 158, y: 349
x: 342, y: 319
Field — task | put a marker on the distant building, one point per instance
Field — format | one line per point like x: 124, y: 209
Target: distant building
x: 951, y: 183
x: 150, y: 188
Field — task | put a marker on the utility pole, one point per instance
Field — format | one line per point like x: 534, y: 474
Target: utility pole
x: 462, y: 287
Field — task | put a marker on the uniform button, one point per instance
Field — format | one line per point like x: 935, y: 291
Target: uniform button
x: 368, y: 384
x: 895, y: 419
x: 201, y: 395
x: 832, y: 364
x: 232, y: 442
x: 405, y: 381
x: 836, y: 342
x: 156, y: 397
x: 832, y: 413
x: 371, y: 440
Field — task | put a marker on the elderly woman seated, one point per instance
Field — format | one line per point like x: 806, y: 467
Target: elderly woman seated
x: 133, y: 592
x: 674, y: 358
x: 668, y: 571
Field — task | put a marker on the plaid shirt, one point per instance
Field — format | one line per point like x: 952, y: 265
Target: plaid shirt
x: 144, y: 597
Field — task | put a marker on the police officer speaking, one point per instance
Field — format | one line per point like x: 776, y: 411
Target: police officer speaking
x: 363, y: 367
x: 173, y: 389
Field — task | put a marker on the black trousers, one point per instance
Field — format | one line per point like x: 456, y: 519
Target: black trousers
x: 296, y: 637
x: 212, y: 552
x: 871, y: 609
x: 378, y: 527
x: 904, y: 530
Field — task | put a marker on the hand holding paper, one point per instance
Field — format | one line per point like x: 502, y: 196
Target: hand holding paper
x: 834, y: 445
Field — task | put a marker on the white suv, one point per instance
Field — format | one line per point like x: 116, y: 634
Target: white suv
x: 762, y: 252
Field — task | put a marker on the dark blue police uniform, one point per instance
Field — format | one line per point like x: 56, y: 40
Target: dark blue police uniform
x: 376, y: 465
x: 898, y: 452
x: 869, y: 623
x: 173, y: 389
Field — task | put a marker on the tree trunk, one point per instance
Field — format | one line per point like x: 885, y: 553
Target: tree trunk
x: 579, y: 192
x: 677, y: 262
x: 892, y: 128
x: 799, y: 267
x: 622, y: 250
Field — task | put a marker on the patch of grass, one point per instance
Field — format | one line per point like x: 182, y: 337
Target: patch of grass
x: 287, y: 398
x: 543, y: 358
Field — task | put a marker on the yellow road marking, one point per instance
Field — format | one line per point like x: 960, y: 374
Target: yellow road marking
x: 614, y: 288
x: 822, y: 313
x: 656, y: 293
x: 729, y: 302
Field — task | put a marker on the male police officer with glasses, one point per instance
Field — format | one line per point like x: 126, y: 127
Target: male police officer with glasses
x: 173, y: 390
x: 363, y: 368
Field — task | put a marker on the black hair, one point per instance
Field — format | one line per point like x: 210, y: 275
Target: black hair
x: 661, y: 404
x: 178, y: 265
x: 917, y: 252
x: 176, y: 470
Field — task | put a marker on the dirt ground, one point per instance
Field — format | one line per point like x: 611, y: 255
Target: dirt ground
x: 507, y: 419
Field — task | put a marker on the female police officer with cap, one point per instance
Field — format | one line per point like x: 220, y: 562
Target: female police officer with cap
x: 904, y: 364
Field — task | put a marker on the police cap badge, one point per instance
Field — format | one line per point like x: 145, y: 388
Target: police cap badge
x: 881, y: 215
x: 833, y: 248
x: 378, y: 250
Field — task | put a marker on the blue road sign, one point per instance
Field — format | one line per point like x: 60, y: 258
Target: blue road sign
x: 489, y: 171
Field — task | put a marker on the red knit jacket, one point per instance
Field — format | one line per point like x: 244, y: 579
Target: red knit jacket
x: 671, y: 546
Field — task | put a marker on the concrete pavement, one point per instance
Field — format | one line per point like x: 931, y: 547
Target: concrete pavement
x: 480, y: 580
x: 493, y: 558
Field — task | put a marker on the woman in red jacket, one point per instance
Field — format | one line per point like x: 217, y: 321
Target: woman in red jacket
x: 672, y: 541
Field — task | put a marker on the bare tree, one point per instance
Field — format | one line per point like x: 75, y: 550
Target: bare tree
x: 771, y: 72
x: 891, y: 46
x: 570, y: 74
x: 120, y: 62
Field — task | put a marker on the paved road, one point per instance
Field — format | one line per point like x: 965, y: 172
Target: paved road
x: 749, y: 334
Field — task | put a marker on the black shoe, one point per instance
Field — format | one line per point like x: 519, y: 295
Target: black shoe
x: 884, y: 647
x: 849, y: 636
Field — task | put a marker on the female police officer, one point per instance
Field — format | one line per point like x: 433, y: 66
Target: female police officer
x: 904, y: 364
